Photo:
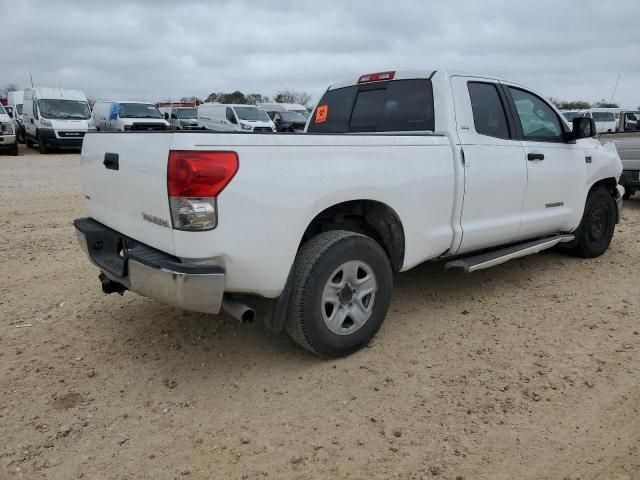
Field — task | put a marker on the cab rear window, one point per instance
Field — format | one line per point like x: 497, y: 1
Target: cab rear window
x: 395, y: 106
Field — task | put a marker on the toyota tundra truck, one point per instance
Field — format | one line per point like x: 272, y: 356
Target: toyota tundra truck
x: 394, y: 169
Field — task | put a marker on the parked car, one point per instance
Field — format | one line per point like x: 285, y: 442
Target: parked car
x: 122, y: 116
x: 290, y: 107
x: 15, y: 101
x: 180, y: 118
x: 288, y: 121
x: 8, y: 141
x: 571, y: 114
x: 628, y: 147
x: 234, y: 118
x: 55, y: 118
x: 399, y: 168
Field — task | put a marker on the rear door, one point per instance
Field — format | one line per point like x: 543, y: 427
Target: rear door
x: 495, y: 171
x: 125, y: 185
x: 556, y: 169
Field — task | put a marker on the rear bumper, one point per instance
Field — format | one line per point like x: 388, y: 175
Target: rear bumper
x: 150, y: 272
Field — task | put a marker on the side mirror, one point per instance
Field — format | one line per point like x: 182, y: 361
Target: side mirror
x: 583, y: 127
x: 233, y: 120
x: 173, y: 115
x: 166, y: 116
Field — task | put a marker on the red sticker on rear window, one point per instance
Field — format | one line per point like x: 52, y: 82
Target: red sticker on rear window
x: 321, y: 113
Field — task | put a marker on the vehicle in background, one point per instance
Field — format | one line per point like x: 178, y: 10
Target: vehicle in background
x: 605, y: 118
x: 571, y: 114
x: 8, y: 142
x: 399, y: 168
x: 125, y: 115
x: 180, y: 116
x: 15, y: 100
x: 55, y: 118
x: 9, y: 110
x: 287, y: 121
x: 629, y: 121
x: 628, y: 146
x: 291, y: 107
x: 223, y: 117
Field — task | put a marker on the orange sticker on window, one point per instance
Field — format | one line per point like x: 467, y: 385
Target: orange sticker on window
x: 321, y: 113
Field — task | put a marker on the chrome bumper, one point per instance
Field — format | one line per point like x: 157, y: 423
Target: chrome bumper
x: 151, y: 273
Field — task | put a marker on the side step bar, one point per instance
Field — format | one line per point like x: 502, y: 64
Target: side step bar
x: 496, y: 257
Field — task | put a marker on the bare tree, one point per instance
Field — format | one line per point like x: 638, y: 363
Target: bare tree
x: 288, y: 95
x: 191, y: 99
x: 10, y: 87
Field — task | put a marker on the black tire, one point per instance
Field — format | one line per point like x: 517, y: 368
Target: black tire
x: 14, y: 150
x: 315, y: 262
x: 42, y: 147
x: 627, y: 194
x: 20, y: 137
x: 598, y: 223
x: 29, y: 142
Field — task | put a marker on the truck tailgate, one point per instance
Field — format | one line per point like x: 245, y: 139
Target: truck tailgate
x: 125, y: 184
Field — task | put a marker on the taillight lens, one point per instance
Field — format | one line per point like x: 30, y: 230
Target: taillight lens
x: 194, y: 180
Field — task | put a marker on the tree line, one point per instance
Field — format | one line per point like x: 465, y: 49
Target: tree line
x: 582, y: 104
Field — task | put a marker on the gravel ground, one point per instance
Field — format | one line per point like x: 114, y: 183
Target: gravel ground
x: 525, y: 371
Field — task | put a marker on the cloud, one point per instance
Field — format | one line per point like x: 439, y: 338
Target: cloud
x: 161, y: 49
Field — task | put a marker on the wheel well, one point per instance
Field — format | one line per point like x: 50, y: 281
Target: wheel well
x: 368, y: 217
x: 609, y: 183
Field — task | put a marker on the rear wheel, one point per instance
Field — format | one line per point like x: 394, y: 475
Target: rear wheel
x: 20, y: 135
x: 627, y: 194
x: 341, y: 293
x: 598, y: 223
x: 29, y: 142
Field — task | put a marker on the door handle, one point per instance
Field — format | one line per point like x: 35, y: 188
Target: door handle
x: 111, y: 161
x: 535, y: 156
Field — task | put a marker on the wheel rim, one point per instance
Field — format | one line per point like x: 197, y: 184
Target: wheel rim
x: 348, y: 297
x: 598, y: 223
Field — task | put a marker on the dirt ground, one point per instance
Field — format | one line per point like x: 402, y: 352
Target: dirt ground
x: 529, y: 370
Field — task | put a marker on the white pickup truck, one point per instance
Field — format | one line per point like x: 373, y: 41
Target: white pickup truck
x: 395, y: 168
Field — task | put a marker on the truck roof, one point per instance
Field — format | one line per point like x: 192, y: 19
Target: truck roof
x: 412, y: 74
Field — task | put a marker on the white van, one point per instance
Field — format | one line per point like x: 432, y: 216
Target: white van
x: 234, y: 118
x: 120, y: 116
x: 55, y: 117
x: 15, y: 100
x: 180, y: 117
x: 606, y: 119
x: 291, y: 107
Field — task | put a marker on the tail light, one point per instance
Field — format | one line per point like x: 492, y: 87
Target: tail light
x: 194, y: 180
x: 376, y: 77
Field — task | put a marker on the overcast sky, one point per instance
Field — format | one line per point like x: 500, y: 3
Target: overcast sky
x: 165, y: 49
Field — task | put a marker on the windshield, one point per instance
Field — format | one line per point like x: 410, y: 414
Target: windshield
x: 304, y: 113
x: 253, y: 114
x: 187, y: 113
x: 292, y: 117
x: 19, y: 108
x: 2, y: 112
x: 64, y: 109
x: 139, y: 110
x: 571, y: 115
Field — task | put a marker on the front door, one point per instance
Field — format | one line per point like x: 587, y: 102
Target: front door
x: 556, y: 169
x: 495, y: 170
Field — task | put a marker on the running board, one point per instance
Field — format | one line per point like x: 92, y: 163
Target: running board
x: 491, y: 259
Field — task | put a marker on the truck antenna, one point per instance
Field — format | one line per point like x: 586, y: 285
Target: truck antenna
x: 611, y: 100
x: 31, y: 76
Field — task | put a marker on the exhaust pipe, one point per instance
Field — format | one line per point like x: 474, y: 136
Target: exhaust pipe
x: 238, y: 310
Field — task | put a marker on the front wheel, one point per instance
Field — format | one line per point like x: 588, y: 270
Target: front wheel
x: 598, y: 223
x: 42, y: 146
x: 341, y: 292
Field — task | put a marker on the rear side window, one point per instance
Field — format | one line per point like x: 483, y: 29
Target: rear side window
x: 489, y: 116
x: 396, y: 106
